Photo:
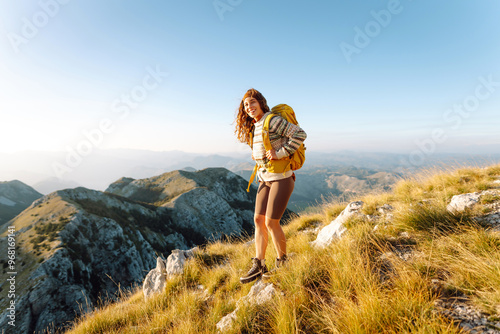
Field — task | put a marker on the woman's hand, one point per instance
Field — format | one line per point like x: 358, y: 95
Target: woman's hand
x: 271, y: 155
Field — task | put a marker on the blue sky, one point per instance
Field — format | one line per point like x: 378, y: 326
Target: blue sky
x: 425, y: 75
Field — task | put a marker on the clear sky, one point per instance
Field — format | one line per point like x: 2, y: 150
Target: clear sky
x: 391, y: 76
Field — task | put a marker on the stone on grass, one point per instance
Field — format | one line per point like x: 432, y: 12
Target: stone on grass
x: 155, y: 280
x: 177, y: 259
x: 259, y: 294
x: 336, y: 228
x: 462, y: 202
x: 174, y: 265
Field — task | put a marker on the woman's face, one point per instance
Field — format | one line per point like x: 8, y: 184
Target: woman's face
x: 252, y: 108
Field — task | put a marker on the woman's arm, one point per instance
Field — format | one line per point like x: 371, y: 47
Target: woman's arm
x: 294, y: 136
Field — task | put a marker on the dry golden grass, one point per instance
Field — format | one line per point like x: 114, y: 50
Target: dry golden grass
x: 356, y: 285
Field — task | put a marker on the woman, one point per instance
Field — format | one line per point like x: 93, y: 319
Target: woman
x: 274, y: 189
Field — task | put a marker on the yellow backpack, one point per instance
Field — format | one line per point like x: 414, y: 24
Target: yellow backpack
x: 293, y: 162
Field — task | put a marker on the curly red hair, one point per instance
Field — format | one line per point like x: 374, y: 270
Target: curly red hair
x: 244, y: 123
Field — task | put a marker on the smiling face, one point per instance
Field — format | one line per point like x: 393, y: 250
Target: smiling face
x: 253, y: 109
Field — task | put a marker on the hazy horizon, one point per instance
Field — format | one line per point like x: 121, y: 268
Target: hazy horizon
x: 59, y: 170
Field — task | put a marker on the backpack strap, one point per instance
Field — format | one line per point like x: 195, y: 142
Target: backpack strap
x: 251, y: 138
x: 265, y: 132
x: 252, y: 177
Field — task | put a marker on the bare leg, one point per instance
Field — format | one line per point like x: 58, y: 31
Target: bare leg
x: 261, y: 236
x: 279, y: 239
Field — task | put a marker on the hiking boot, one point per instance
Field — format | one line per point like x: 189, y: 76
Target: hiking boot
x: 255, y: 272
x: 279, y: 263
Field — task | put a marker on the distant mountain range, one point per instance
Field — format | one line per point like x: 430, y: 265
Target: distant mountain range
x: 317, y: 184
x: 323, y: 170
x: 99, y: 169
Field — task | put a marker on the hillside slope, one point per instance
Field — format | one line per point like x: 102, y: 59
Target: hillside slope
x: 15, y: 196
x: 77, y: 247
x: 408, y: 263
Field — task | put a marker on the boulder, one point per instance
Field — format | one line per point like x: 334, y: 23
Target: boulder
x: 259, y: 294
x: 462, y: 202
x: 336, y: 228
x: 174, y: 265
x: 177, y: 259
x: 155, y: 280
x: 226, y: 323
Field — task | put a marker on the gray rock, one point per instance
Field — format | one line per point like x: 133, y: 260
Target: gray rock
x: 226, y: 323
x: 462, y: 202
x: 156, y: 279
x: 177, y: 259
x: 385, y: 209
x: 336, y: 228
x: 463, y: 312
x: 259, y: 294
x: 206, y: 213
x: 174, y: 265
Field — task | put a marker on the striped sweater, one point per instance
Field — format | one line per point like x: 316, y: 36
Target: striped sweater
x: 285, y: 139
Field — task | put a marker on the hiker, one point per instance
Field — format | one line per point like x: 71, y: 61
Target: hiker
x: 274, y: 189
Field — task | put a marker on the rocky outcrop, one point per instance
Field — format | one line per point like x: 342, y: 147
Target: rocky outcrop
x: 15, y: 196
x: 174, y: 265
x: 80, y: 245
x: 207, y: 213
x: 463, y: 201
x: 177, y: 259
x: 213, y: 202
x: 469, y: 318
x: 336, y: 228
x: 156, y: 279
x: 259, y: 294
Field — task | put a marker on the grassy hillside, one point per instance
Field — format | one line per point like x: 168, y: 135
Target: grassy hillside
x: 388, y: 279
x: 38, y: 242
